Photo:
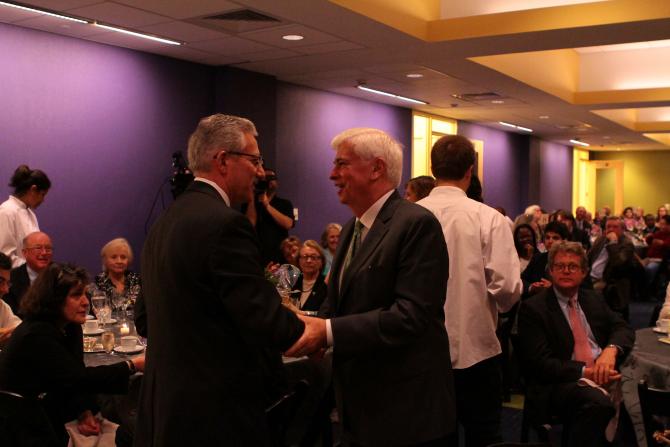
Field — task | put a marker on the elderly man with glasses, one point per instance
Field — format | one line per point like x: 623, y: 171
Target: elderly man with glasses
x: 571, y: 344
x: 37, y: 251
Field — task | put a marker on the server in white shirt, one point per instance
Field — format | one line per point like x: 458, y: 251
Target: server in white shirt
x: 17, y: 219
x: 484, y: 279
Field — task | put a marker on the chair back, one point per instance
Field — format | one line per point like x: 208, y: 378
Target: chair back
x: 655, y: 407
x: 24, y: 423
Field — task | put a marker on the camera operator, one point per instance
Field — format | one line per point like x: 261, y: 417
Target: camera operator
x: 272, y: 217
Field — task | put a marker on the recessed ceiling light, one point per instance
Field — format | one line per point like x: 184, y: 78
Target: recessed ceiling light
x: 544, y: 117
x: 414, y: 75
x: 525, y: 129
x: 293, y: 37
x: 497, y: 101
x: 618, y: 148
x: 606, y: 137
x: 393, y: 95
x: 580, y: 143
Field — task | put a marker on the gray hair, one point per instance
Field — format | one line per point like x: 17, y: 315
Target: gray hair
x: 368, y: 143
x: 574, y: 248
x: 216, y: 132
x: 118, y: 242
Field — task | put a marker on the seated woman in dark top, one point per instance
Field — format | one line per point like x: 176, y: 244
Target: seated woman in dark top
x: 45, y: 354
x: 311, y: 283
x: 536, y: 278
x: 525, y: 244
x: 116, y: 278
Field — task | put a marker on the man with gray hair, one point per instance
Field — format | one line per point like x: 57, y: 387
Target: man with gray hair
x: 37, y: 250
x: 385, y: 319
x: 215, y: 325
x: 568, y: 334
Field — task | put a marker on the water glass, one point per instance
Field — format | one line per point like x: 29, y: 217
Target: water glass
x: 108, y: 341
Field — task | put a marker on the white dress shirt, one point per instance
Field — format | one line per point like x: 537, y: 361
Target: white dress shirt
x: 16, y: 222
x: 563, y: 303
x: 221, y: 192
x: 7, y: 317
x: 484, y: 275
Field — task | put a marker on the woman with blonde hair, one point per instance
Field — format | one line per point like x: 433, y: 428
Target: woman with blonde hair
x: 311, y: 284
x: 116, y: 278
x: 329, y: 241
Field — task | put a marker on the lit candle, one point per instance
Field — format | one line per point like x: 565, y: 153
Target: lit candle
x: 124, y: 329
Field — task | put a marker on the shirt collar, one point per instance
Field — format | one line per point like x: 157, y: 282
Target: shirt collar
x: 448, y: 190
x: 221, y: 192
x: 32, y: 274
x: 369, y: 216
x: 563, y: 298
x: 18, y: 202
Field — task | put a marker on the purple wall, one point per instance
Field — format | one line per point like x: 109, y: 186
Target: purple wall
x: 307, y: 120
x: 553, y: 174
x: 505, y: 166
x: 102, y: 122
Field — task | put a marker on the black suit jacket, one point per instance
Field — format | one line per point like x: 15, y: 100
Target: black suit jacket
x: 546, y: 343
x: 391, y: 365
x: 618, y: 272
x: 20, y: 285
x: 316, y: 297
x: 215, y: 327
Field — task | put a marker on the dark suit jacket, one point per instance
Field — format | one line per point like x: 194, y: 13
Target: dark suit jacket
x: 581, y: 236
x: 20, y: 284
x: 618, y: 272
x: 318, y: 295
x: 546, y: 343
x: 215, y: 327
x: 391, y: 366
x: 41, y: 358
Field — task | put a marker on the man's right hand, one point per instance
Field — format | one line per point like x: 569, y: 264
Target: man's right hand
x: 602, y: 379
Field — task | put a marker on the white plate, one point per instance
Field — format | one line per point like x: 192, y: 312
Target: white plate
x: 96, y: 348
x: 90, y: 317
x: 131, y: 350
x: 658, y: 330
x: 94, y: 332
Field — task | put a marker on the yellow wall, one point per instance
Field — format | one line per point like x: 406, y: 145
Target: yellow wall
x: 646, y: 177
x: 605, y: 188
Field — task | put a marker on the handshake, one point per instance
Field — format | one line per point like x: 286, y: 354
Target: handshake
x: 313, y: 341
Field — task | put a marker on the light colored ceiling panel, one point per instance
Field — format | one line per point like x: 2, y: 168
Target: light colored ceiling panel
x: 331, y: 47
x: 231, y: 46
x: 11, y: 15
x: 222, y: 60
x: 61, y: 5
x: 126, y: 41
x: 119, y: 15
x: 59, y: 26
x: 184, y: 52
x: 273, y: 36
x: 268, y: 55
x: 183, y: 31
x: 183, y: 9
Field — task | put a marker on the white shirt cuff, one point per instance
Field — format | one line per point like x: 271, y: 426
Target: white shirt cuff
x: 329, y: 333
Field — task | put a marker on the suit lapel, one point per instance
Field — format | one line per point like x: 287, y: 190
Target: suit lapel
x: 338, y: 259
x: 590, y: 312
x: 560, y: 322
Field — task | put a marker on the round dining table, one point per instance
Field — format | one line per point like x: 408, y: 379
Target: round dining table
x: 650, y: 361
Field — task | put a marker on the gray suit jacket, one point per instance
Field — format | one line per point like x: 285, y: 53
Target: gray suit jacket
x: 391, y: 364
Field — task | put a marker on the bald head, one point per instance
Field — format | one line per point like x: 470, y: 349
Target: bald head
x: 37, y: 250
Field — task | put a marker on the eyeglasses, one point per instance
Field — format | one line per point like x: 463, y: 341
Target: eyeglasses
x: 311, y: 258
x: 571, y: 268
x: 257, y: 160
x: 44, y: 248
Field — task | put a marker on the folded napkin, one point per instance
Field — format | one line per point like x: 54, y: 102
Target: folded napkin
x: 106, y: 438
x: 615, y: 394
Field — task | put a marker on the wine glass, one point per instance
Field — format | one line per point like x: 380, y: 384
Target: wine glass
x: 108, y: 341
x: 131, y: 297
x: 287, y: 275
x: 118, y: 298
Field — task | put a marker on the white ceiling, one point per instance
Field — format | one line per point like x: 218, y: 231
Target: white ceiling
x: 342, y: 48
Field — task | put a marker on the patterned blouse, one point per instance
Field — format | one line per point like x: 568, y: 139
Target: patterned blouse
x: 104, y: 283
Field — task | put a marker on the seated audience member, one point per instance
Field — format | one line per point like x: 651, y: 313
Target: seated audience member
x: 567, y: 333
x: 419, y: 187
x: 475, y: 191
x: 329, y: 240
x: 115, y: 277
x: 574, y: 233
x: 525, y: 244
x: 311, y: 283
x: 8, y: 321
x: 639, y: 217
x: 662, y: 211
x: 596, y: 232
x: 582, y: 220
x: 649, y: 225
x: 289, y: 249
x: 17, y: 218
x: 37, y: 251
x: 535, y: 277
x: 44, y: 356
x: 629, y: 219
x: 659, y: 249
x: 502, y: 211
x: 612, y: 265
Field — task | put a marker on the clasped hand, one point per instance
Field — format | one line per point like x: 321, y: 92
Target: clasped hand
x: 603, y: 371
x: 312, y: 341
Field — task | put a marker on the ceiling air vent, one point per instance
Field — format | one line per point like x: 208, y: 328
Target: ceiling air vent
x: 481, y: 96
x: 242, y: 15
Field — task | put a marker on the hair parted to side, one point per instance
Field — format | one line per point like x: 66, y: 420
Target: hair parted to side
x: 421, y: 185
x: 369, y: 143
x: 118, y: 242
x: 24, y: 178
x: 214, y: 133
x: 311, y: 243
x: 451, y: 157
x: 569, y: 247
x: 46, y: 296
x: 324, y: 235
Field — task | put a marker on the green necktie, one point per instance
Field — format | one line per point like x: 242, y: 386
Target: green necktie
x: 353, y: 248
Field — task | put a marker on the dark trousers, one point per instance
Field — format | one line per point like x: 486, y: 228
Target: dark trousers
x: 585, y: 411
x: 479, y: 402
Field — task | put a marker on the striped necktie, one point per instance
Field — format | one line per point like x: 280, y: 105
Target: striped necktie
x: 582, y: 349
x: 353, y: 248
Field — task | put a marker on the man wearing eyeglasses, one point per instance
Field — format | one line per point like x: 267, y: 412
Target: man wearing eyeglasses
x: 38, y: 253
x: 272, y: 216
x: 215, y: 325
x: 568, y: 334
x: 8, y: 321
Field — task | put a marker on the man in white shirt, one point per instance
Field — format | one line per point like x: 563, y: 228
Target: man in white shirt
x: 8, y: 321
x: 484, y: 279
